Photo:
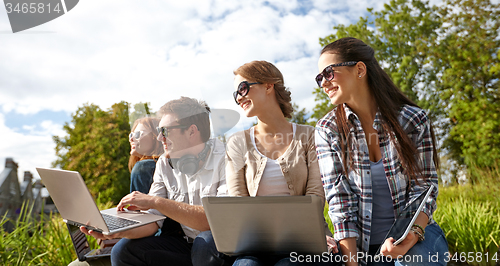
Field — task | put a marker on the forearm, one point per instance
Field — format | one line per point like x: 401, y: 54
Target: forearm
x: 139, y: 232
x: 188, y: 215
x: 348, y: 248
x: 422, y: 220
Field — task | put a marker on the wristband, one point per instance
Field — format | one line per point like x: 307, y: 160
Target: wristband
x: 420, y: 235
x: 419, y: 227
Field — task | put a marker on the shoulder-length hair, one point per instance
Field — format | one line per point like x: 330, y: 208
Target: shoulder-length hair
x: 150, y: 123
x: 265, y: 72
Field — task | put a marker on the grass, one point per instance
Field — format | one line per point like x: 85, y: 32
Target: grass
x: 468, y: 214
x: 38, y: 241
x: 470, y: 217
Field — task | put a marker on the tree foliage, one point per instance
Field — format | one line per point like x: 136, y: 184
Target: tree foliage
x: 445, y: 58
x: 96, y: 145
x: 140, y: 110
x: 299, y: 116
x: 466, y: 58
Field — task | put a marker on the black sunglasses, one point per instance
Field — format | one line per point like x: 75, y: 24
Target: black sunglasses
x: 327, y: 73
x: 164, y: 130
x: 243, y: 90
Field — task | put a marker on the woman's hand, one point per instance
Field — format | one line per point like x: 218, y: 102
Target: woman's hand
x: 332, y: 245
x: 389, y: 250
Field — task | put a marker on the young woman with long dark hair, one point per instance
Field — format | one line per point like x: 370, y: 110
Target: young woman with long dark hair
x: 376, y: 152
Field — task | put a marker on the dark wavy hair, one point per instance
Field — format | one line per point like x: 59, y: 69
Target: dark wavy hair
x: 389, y: 99
x: 265, y: 72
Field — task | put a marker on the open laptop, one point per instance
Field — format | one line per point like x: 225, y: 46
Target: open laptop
x: 267, y: 224
x: 77, y: 207
x: 82, y: 247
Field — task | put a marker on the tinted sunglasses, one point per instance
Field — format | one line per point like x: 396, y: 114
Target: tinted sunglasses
x: 136, y: 134
x: 327, y: 73
x: 243, y: 90
x: 164, y: 130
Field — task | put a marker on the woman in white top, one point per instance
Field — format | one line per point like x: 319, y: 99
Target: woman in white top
x: 274, y: 157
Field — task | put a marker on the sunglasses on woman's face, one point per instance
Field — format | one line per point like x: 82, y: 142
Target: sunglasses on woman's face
x: 137, y: 134
x: 327, y: 73
x: 164, y: 130
x: 243, y: 89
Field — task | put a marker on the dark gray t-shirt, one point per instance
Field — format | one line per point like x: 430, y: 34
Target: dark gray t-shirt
x: 382, y: 209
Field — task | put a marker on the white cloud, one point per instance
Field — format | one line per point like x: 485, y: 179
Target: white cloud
x: 103, y: 52
x: 35, y: 149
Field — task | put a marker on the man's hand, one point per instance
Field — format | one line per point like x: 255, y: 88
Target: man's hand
x: 389, y: 250
x: 98, y: 235
x: 136, y: 201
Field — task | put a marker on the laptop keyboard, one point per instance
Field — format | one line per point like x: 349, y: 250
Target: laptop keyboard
x: 114, y: 222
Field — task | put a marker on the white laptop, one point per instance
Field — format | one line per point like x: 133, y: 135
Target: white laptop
x: 77, y: 207
x: 267, y: 224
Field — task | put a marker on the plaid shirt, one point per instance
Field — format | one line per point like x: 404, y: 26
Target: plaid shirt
x: 349, y: 195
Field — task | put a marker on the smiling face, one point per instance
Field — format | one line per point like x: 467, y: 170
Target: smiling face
x: 256, y: 95
x: 144, y: 144
x: 177, y: 142
x: 342, y: 88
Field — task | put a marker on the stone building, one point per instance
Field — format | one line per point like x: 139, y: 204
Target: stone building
x: 13, y: 193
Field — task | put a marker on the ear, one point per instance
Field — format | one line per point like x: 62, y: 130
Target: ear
x: 269, y: 87
x: 192, y: 130
x: 361, y: 69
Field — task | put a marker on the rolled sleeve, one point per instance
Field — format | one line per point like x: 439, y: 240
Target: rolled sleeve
x: 425, y: 156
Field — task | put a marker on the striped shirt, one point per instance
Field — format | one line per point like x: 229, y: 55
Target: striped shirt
x: 349, y: 195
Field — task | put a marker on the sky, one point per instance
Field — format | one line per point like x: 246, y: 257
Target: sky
x: 104, y: 52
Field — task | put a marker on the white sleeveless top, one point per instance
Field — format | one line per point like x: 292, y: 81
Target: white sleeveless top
x: 272, y: 183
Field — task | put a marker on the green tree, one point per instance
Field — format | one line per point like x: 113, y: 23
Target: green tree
x: 446, y: 59
x: 140, y: 110
x: 402, y: 31
x: 466, y: 59
x: 322, y: 107
x: 96, y: 145
x: 299, y: 116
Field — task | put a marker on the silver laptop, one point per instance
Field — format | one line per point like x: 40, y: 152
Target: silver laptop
x: 267, y: 224
x: 77, y: 207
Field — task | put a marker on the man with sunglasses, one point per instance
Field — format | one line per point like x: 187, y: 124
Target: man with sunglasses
x: 195, y: 169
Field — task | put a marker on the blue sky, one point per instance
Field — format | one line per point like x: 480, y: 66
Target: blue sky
x: 104, y: 52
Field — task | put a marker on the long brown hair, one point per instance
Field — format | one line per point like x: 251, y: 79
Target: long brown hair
x: 151, y: 123
x: 389, y: 99
x: 265, y: 72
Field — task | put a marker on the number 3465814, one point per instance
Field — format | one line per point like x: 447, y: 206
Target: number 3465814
x: 471, y: 257
x: 32, y: 8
